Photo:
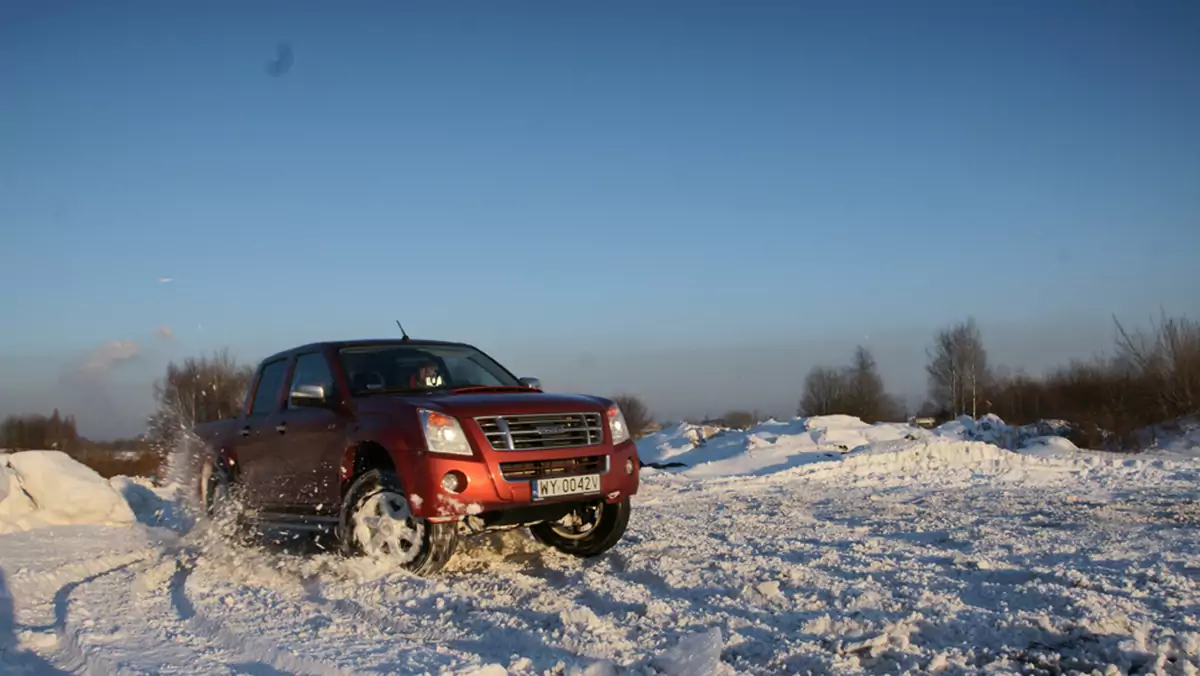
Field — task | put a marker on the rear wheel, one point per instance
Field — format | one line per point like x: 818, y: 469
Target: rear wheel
x: 591, y: 529
x: 376, y: 522
x: 221, y: 502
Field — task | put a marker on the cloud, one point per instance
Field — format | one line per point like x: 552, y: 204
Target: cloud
x: 164, y: 280
x: 165, y: 332
x: 102, y: 358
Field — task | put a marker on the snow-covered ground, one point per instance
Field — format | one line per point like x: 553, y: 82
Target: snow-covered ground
x: 804, y: 546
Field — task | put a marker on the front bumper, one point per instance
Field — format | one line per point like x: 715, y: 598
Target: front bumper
x: 487, y: 489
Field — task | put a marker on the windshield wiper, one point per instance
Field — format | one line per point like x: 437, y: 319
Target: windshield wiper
x: 489, y: 388
x: 401, y: 390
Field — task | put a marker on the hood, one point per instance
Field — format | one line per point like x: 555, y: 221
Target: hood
x: 495, y: 403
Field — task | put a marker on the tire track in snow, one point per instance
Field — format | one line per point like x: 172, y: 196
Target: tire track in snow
x: 217, y: 632
x: 72, y: 655
x: 76, y: 657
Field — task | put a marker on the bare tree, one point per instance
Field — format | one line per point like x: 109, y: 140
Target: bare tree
x: 1169, y: 361
x: 957, y: 368
x: 866, y: 397
x: 824, y: 392
x: 199, y: 390
x: 637, y: 414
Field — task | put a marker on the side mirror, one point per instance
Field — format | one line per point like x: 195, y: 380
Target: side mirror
x: 531, y: 383
x: 308, y: 395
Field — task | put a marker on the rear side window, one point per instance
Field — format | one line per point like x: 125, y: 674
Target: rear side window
x: 267, y: 392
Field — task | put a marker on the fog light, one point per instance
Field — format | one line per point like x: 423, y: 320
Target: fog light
x: 629, y: 466
x: 454, y: 481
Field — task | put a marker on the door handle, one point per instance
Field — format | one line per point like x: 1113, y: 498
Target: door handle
x: 245, y: 431
x: 281, y: 428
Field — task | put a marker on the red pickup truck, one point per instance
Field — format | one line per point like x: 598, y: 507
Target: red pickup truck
x: 398, y: 447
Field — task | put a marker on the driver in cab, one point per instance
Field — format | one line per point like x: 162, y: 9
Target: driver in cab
x: 426, y: 376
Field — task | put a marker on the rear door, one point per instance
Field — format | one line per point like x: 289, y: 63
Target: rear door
x: 260, y: 471
x: 312, y: 438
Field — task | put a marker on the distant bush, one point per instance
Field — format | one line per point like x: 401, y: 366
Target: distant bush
x: 38, y: 432
x: 130, y: 463
x: 1150, y: 379
x: 741, y: 420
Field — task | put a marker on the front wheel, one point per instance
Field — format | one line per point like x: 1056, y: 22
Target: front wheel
x: 376, y: 522
x: 589, y: 530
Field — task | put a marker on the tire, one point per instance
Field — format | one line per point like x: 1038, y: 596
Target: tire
x: 370, y: 525
x: 604, y: 533
x: 222, y: 503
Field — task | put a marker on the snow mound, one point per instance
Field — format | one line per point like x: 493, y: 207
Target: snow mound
x: 1174, y: 438
x: 848, y: 432
x: 664, y: 445
x: 989, y: 429
x: 1055, y: 443
x: 770, y: 447
x: 51, y: 488
x: 155, y: 506
x: 695, y: 655
x: 13, y: 500
x: 845, y: 444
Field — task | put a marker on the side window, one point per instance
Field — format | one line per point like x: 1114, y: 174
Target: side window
x: 265, y: 395
x: 312, y: 369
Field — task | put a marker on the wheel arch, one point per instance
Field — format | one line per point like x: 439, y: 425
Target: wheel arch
x: 360, y: 457
x: 214, y: 459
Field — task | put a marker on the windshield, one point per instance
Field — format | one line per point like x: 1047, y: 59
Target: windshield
x: 417, y: 368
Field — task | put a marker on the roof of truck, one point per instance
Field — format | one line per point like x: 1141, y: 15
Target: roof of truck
x: 338, y: 344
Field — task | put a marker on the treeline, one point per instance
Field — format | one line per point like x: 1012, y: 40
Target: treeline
x: 57, y: 432
x: 1151, y: 378
x: 36, y: 431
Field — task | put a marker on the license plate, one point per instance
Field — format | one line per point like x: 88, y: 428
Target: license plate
x: 567, y: 485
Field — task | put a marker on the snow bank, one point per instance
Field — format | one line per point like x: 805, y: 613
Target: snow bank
x: 695, y: 655
x: 847, y: 444
x: 1179, y: 438
x: 51, y: 488
x: 163, y: 506
x: 989, y: 429
x: 13, y: 501
x: 769, y: 447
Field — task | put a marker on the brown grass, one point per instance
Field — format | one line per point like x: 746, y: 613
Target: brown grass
x: 109, y: 464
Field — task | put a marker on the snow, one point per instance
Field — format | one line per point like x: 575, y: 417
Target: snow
x: 767, y: 448
x: 14, y: 501
x: 1179, y: 438
x: 49, y: 487
x: 819, y: 545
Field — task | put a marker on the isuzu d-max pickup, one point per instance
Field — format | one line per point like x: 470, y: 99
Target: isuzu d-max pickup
x: 398, y: 447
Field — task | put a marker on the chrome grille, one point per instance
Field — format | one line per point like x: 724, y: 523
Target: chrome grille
x: 542, y: 431
x: 550, y: 469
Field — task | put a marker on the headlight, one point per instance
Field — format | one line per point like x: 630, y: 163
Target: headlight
x: 616, y: 425
x: 443, y: 434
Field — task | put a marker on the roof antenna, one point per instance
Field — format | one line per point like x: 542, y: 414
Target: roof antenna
x: 402, y: 331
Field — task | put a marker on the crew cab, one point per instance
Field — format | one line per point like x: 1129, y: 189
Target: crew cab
x: 400, y: 447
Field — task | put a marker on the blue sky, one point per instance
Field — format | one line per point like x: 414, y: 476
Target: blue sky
x: 692, y: 200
